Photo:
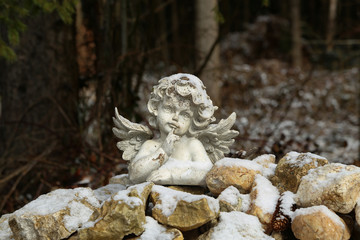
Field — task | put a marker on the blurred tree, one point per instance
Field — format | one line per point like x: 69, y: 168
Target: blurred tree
x: 207, y: 49
x: 296, y: 33
x: 39, y: 90
x: 331, y: 26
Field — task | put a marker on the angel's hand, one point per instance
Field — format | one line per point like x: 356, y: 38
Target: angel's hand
x: 159, y: 176
x: 170, y: 140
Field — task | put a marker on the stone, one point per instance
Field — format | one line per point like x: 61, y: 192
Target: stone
x: 263, y: 200
x: 5, y: 231
x: 122, y: 179
x: 230, y: 200
x: 292, y: 167
x: 318, y: 222
x: 268, y: 163
x: 121, y: 215
x: 188, y: 142
x: 357, y: 212
x: 239, y: 173
x: 55, y: 215
x: 154, y: 230
x: 181, y: 210
x: 334, y: 185
x: 236, y: 225
x: 105, y: 192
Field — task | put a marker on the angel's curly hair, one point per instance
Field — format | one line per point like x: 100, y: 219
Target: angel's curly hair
x: 189, y: 87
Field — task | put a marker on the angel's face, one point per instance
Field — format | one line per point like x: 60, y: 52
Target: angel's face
x: 174, y: 113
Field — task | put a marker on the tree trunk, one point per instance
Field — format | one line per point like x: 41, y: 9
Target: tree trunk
x: 296, y: 33
x: 331, y: 26
x: 206, y: 34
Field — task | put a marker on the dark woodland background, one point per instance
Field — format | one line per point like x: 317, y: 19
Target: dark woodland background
x: 289, y: 69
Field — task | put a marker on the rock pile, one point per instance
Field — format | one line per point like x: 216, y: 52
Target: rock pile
x: 303, y: 195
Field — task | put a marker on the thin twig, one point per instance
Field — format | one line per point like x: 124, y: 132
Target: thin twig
x: 27, y: 169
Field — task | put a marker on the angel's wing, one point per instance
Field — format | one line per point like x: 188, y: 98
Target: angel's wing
x: 132, y: 135
x: 218, y: 137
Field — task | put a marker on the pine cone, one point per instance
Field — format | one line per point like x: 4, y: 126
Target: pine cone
x: 280, y: 221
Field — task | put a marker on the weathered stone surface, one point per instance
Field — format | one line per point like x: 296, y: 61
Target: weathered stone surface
x: 334, y: 185
x: 277, y: 235
x: 292, y: 167
x: 357, y: 212
x: 5, y: 231
x: 154, y: 230
x: 230, y: 200
x: 236, y: 225
x: 182, y: 210
x: 105, y: 192
x: 122, y: 179
x: 122, y: 214
x: 263, y: 200
x: 267, y: 161
x: 55, y: 215
x: 318, y: 222
x: 235, y: 172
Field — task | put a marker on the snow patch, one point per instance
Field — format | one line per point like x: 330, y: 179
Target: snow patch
x: 238, y: 225
x: 237, y: 162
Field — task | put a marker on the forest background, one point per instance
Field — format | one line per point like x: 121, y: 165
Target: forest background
x: 289, y: 69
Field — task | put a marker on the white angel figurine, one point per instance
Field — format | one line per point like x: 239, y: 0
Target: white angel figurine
x: 188, y: 144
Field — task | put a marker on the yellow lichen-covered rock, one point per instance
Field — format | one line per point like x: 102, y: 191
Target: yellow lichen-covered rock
x: 236, y: 225
x: 334, y: 185
x: 235, y: 172
x: 263, y: 200
x: 267, y: 161
x: 292, y: 167
x: 55, y: 215
x: 357, y: 212
x: 154, y: 230
x: 182, y: 210
x: 122, y: 214
x: 230, y: 200
x: 5, y: 231
x: 318, y: 222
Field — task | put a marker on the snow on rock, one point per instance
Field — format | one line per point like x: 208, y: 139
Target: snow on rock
x: 105, y: 192
x: 292, y: 167
x: 230, y: 200
x: 156, y: 231
x: 236, y: 172
x: 237, y: 225
x: 182, y: 210
x: 120, y: 215
x: 287, y: 203
x: 267, y: 161
x: 318, y: 222
x: 334, y: 185
x: 57, y: 214
x: 264, y: 197
x: 122, y: 179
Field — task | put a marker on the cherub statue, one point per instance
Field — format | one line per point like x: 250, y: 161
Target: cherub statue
x: 188, y: 144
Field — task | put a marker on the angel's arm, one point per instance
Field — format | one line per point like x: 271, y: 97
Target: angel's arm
x: 185, y: 173
x: 149, y: 158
